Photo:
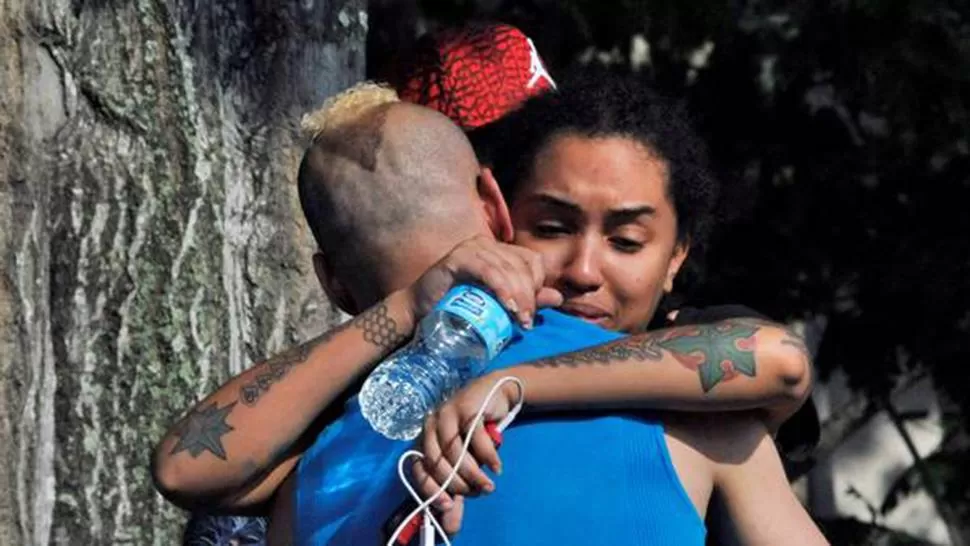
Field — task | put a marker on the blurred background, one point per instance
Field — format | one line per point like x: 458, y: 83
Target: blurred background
x: 153, y: 246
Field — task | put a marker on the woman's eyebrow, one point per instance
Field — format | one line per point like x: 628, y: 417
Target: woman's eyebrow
x: 622, y: 215
x: 558, y: 202
x: 628, y: 215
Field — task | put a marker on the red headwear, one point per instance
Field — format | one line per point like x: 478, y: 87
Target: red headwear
x: 475, y: 74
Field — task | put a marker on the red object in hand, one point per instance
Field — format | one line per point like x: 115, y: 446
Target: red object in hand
x: 407, y: 534
x: 410, y: 529
x: 491, y: 428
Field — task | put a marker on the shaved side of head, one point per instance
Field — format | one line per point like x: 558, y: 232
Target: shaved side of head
x: 379, y: 175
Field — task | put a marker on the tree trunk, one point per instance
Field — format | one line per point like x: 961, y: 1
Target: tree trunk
x: 151, y: 240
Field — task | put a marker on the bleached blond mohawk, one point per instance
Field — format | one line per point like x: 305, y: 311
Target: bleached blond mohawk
x: 346, y: 107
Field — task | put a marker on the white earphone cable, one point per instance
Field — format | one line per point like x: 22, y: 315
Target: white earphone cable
x: 431, y: 524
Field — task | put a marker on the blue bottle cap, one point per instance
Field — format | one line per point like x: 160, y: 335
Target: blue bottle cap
x: 483, y: 312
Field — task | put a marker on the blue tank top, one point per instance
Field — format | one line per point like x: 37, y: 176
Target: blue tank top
x: 568, y: 478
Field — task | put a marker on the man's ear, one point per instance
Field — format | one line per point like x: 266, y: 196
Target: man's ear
x: 496, y: 210
x: 681, y: 250
x: 336, y: 291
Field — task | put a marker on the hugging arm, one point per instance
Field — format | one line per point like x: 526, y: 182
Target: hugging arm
x: 232, y: 449
x: 733, y: 364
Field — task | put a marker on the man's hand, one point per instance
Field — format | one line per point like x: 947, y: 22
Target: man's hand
x: 444, y: 434
x: 514, y: 274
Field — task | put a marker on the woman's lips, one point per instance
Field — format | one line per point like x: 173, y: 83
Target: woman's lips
x: 589, y: 313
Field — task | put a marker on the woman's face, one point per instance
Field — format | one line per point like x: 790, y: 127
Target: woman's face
x: 597, y: 210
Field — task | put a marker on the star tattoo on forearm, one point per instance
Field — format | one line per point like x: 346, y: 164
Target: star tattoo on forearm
x: 202, y: 430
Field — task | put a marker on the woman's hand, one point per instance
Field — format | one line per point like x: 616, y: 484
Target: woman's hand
x: 444, y: 435
x: 514, y: 274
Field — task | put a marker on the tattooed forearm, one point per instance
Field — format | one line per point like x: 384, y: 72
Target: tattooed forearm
x: 718, y: 352
x: 643, y: 347
x: 279, y: 366
x: 797, y: 342
x: 379, y: 328
x: 202, y: 430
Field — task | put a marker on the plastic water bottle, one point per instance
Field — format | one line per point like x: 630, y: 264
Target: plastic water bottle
x: 452, y: 344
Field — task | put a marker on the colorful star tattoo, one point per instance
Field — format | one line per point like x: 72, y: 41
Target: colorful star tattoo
x: 718, y: 353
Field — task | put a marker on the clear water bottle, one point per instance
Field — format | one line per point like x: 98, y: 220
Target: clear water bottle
x: 452, y: 344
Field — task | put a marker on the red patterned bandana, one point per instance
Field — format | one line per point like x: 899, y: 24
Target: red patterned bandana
x: 475, y: 74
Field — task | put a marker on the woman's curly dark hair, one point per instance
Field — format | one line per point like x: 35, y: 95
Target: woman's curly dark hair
x: 604, y: 104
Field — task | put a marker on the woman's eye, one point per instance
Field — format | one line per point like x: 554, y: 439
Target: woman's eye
x: 549, y: 230
x: 626, y: 245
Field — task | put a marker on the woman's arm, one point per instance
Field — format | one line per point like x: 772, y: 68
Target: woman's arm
x: 734, y: 364
x: 759, y: 506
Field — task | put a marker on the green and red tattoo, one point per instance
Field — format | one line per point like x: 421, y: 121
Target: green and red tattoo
x: 717, y: 352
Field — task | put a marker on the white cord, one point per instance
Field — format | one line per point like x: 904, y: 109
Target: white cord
x: 431, y: 524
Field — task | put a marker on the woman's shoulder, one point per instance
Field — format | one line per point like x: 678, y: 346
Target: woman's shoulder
x: 721, y: 437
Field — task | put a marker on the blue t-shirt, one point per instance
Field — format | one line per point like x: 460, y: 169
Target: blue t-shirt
x: 569, y: 478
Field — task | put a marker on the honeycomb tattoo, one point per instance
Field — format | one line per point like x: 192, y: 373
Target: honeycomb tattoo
x: 379, y: 328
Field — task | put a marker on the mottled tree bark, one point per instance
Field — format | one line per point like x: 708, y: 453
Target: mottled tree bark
x: 150, y: 235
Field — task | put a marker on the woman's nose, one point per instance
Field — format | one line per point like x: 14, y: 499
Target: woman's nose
x: 582, y: 270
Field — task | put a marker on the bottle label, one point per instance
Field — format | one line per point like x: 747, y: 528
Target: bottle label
x: 483, y: 312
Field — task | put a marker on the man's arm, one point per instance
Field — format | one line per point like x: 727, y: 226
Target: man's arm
x: 236, y: 446
x: 734, y: 364
x: 223, y: 452
x: 756, y: 504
